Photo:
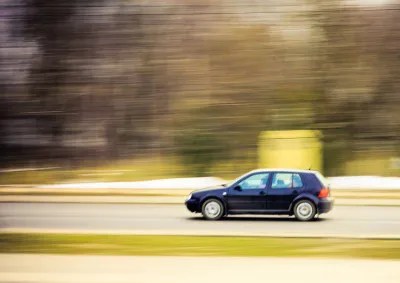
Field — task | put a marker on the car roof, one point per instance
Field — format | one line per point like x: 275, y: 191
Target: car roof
x: 291, y: 170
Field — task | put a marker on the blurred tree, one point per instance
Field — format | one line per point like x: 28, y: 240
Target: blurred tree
x: 203, y: 78
x: 49, y: 24
x: 92, y: 71
x: 226, y: 116
x: 355, y: 52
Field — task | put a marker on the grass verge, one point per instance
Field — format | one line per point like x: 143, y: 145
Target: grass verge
x: 159, y: 245
x: 138, y: 169
x: 124, y: 170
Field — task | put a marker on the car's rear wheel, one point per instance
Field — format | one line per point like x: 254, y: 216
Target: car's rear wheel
x: 304, y: 210
x: 212, y: 209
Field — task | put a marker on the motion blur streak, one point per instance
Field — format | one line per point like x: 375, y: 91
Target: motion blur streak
x: 93, y: 81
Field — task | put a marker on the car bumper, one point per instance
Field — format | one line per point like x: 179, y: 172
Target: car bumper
x: 192, y: 205
x: 325, y: 205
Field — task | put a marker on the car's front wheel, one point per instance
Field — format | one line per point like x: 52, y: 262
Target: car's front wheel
x: 212, y: 209
x: 304, y: 210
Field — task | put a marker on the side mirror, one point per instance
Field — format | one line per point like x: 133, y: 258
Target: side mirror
x: 238, y: 188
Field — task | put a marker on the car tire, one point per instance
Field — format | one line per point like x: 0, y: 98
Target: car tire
x: 212, y: 209
x: 304, y: 210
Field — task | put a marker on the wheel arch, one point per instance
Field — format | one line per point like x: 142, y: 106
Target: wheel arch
x: 308, y: 197
x: 203, y: 200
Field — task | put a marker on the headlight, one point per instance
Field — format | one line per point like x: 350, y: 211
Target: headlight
x: 189, y: 197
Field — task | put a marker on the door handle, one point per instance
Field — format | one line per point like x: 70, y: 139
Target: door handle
x: 262, y: 193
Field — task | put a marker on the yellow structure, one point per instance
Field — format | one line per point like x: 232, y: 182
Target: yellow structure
x: 300, y: 149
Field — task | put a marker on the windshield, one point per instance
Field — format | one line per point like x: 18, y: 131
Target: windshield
x: 237, y: 179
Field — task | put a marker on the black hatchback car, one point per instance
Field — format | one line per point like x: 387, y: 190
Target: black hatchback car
x: 266, y: 191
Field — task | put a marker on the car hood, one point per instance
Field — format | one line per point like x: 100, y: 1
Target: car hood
x: 210, y: 189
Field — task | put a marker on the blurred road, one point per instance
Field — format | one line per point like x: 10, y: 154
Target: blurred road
x: 351, y: 221
x: 17, y: 268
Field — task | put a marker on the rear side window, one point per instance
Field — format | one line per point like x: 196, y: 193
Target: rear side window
x: 297, y: 182
x: 286, y: 181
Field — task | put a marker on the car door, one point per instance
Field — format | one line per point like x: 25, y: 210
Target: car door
x: 249, y: 193
x: 284, y: 187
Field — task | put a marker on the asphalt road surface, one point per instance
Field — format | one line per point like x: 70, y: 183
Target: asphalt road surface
x: 346, y: 221
x: 17, y: 268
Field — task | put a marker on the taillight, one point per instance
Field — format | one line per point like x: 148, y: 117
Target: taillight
x: 324, y: 193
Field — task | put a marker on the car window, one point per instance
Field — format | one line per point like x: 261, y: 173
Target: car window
x: 256, y: 181
x: 282, y: 181
x: 297, y: 182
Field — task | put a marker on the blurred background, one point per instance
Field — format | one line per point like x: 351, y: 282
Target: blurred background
x: 100, y: 99
x: 178, y: 88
